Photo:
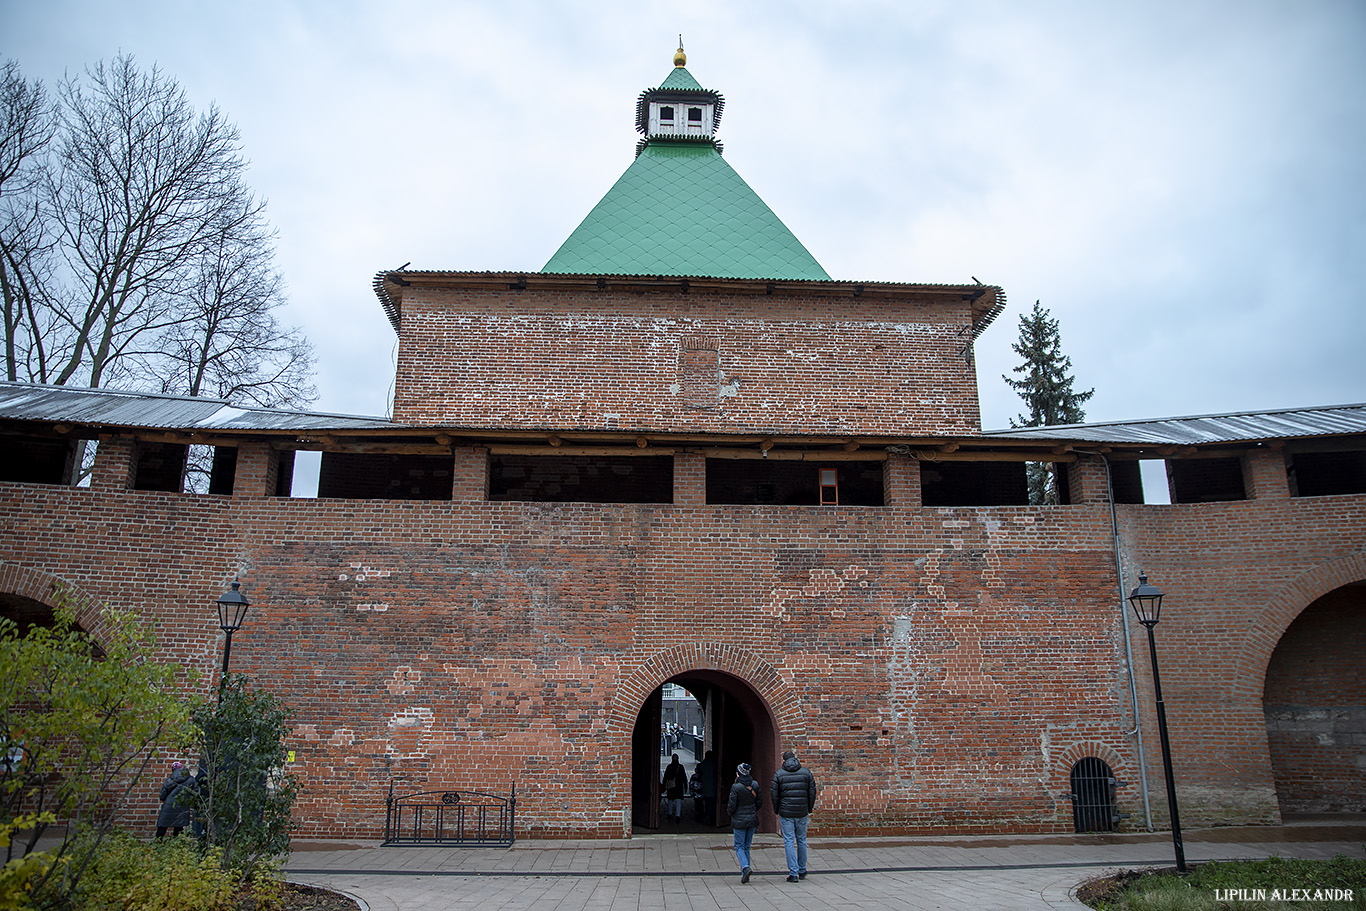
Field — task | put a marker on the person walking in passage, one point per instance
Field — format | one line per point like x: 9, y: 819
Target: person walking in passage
x: 793, y: 793
x: 707, y: 772
x: 743, y: 807
x: 175, y: 813
x: 675, y: 785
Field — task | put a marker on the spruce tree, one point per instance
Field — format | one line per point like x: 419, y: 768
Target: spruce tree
x: 1046, y: 387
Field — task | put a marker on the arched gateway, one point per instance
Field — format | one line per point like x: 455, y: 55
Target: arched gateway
x: 1314, y: 700
x: 750, y: 715
x: 31, y: 596
x: 1307, y: 640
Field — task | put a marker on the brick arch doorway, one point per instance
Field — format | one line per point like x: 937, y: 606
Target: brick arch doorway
x: 738, y: 726
x: 31, y: 597
x: 1313, y: 698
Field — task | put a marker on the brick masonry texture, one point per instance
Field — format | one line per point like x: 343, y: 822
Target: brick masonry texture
x: 611, y: 360
x: 1316, y: 707
x: 938, y: 668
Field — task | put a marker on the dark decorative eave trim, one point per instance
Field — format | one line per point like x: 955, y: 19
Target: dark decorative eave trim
x: 643, y: 144
x: 387, y: 300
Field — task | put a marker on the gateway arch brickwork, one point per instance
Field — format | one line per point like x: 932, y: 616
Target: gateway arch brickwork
x: 52, y: 592
x: 736, y: 660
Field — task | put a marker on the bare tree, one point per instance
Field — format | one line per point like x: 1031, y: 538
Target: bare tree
x: 27, y: 121
x: 163, y: 275
x: 141, y: 184
x: 228, y: 343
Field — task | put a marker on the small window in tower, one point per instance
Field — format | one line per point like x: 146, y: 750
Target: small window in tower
x: 830, y: 487
x: 666, y: 114
x: 694, y: 115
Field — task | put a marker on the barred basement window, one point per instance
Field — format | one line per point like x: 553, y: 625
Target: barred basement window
x: 1093, y: 796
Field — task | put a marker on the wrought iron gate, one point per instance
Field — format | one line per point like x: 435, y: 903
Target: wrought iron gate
x: 1093, y: 796
x: 450, y: 817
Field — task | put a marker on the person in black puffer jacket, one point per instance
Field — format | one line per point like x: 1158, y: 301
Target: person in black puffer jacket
x: 793, y: 792
x: 175, y: 811
x: 743, y: 807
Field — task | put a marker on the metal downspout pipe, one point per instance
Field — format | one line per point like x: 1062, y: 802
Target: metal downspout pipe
x: 1128, y: 642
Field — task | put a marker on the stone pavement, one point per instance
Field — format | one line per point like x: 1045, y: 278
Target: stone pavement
x: 698, y: 872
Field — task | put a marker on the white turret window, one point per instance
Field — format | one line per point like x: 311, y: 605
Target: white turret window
x: 675, y: 118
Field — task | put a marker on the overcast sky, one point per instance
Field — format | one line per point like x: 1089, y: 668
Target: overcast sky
x: 1180, y: 183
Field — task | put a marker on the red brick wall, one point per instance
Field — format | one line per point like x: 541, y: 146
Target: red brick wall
x: 1236, y: 574
x: 607, y: 360
x: 937, y: 668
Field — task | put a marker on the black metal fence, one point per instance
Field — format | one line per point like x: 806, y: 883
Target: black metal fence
x: 450, y: 817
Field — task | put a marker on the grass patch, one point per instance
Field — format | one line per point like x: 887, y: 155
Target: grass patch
x: 1244, y: 885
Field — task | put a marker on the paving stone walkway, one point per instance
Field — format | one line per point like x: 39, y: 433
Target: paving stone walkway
x: 686, y: 872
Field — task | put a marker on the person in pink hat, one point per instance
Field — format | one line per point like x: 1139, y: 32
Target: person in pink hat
x: 175, y: 812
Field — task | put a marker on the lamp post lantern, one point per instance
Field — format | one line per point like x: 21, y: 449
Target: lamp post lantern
x: 232, y: 610
x: 1147, y: 603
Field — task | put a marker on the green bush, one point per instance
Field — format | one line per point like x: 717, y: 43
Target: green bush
x: 170, y: 874
x: 244, y: 793
x: 1215, y: 886
x: 80, y: 721
x: 20, y: 874
x: 267, y: 888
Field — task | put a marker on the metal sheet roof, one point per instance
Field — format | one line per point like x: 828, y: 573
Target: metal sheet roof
x: 110, y: 408
x: 680, y: 209
x: 113, y: 408
x: 1246, y: 426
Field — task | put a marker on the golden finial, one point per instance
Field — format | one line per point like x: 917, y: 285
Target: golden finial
x: 680, y: 58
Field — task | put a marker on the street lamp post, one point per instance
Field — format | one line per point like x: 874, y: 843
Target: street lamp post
x: 1147, y: 604
x: 232, y: 610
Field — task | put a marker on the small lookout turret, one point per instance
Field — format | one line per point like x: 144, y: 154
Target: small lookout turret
x: 679, y: 108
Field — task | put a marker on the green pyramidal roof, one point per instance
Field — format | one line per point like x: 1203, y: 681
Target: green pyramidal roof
x: 680, y: 209
x: 680, y: 78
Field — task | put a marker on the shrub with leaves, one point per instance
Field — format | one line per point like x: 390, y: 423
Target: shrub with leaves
x: 244, y: 793
x: 19, y: 874
x: 79, y: 723
x: 1234, y: 884
x: 169, y: 874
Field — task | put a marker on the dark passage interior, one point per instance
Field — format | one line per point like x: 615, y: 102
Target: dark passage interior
x: 737, y: 726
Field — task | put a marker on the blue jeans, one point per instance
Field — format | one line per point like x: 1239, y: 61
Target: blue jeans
x: 794, y: 843
x: 675, y: 807
x: 744, y: 838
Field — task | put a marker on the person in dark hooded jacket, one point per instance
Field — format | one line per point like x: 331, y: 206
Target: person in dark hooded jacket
x: 175, y: 811
x: 743, y: 807
x: 793, y: 792
x: 674, y: 786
